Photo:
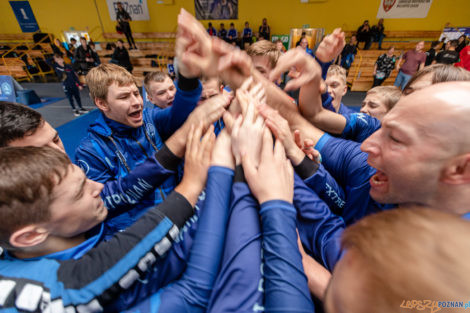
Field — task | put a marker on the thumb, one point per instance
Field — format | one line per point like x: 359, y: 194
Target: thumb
x: 248, y: 168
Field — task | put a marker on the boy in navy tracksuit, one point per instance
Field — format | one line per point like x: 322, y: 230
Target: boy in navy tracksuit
x: 70, y: 84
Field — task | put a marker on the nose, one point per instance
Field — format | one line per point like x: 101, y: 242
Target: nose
x: 96, y: 187
x: 371, y: 145
x: 363, y: 109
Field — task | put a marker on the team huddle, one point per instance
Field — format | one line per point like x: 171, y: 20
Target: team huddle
x: 239, y: 199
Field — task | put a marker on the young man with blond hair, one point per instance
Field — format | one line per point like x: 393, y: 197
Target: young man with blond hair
x: 264, y: 55
x: 337, y: 88
x: 126, y: 135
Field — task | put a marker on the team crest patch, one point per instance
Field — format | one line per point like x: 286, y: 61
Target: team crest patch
x: 388, y: 4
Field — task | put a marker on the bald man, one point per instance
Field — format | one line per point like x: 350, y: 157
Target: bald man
x: 422, y: 151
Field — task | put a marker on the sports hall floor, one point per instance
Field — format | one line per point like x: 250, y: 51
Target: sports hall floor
x: 58, y: 112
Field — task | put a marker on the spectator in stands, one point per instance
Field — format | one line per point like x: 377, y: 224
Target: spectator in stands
x: 171, y: 68
x: 222, y: 10
x: 232, y: 35
x: 160, y: 89
x: 384, y: 66
x: 222, y: 34
x: 462, y: 43
x: 70, y: 48
x: 264, y: 31
x: 280, y: 46
x: 121, y: 56
x: 346, y: 57
x: 264, y: 56
x: 431, y: 53
x: 377, y: 32
x: 364, y: 34
x: 85, y: 57
x: 247, y: 36
x: 414, y: 61
x: 302, y: 36
x: 211, y: 30
x: 93, y: 47
x: 123, y: 18
x: 449, y: 56
x: 70, y: 83
x: 304, y: 45
x: 465, y: 58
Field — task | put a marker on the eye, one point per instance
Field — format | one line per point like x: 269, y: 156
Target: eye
x: 394, y: 139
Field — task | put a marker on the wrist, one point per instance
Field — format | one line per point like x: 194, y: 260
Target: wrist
x: 190, y: 189
x: 295, y: 156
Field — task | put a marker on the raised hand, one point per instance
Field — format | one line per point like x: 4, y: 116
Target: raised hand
x: 307, y: 147
x: 273, y: 178
x: 308, y: 69
x: 194, y: 48
x: 331, y: 46
x: 247, y: 131
x: 280, y: 128
x: 197, y: 161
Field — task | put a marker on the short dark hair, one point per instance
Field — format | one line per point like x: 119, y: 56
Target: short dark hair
x: 435, y: 43
x: 29, y: 175
x: 73, y: 39
x: 17, y: 121
x: 83, y: 38
x: 120, y: 40
x: 454, y: 43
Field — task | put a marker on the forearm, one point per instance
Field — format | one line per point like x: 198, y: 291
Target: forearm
x: 317, y: 275
x: 329, y: 121
x: 287, y: 292
x: 119, y: 194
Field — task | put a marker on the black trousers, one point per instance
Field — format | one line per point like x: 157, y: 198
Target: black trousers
x: 126, y: 29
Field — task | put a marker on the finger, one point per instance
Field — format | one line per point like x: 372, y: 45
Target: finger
x: 267, y: 149
x: 274, y: 129
x: 279, y: 151
x: 189, y: 141
x: 249, y: 168
x: 250, y: 112
x: 196, y: 139
x: 206, y: 143
x: 247, y: 83
x: 228, y: 121
x: 236, y: 126
x: 242, y: 101
x: 308, y: 143
x: 285, y: 62
x: 297, y: 139
x: 259, y: 122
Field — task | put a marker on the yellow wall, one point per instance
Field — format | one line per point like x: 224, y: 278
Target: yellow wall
x: 56, y: 16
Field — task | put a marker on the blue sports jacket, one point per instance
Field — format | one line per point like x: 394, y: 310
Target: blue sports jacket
x: 360, y: 126
x: 88, y: 278
x: 123, y: 158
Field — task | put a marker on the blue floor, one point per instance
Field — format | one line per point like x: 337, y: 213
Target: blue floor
x: 72, y: 132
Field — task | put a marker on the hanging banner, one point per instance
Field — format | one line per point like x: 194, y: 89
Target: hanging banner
x: 216, y: 9
x: 25, y: 16
x: 137, y: 9
x: 404, y: 8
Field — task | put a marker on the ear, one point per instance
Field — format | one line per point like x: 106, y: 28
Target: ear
x: 457, y: 171
x: 102, y: 104
x: 28, y: 236
x: 345, y: 89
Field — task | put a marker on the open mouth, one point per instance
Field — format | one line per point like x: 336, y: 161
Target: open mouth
x: 379, y: 180
x: 136, y: 115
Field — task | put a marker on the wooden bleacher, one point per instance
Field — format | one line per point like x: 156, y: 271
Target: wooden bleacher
x: 360, y: 75
x: 20, y: 49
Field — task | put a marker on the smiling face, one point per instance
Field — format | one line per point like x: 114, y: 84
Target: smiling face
x: 162, y: 93
x: 123, y: 104
x: 77, y: 205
